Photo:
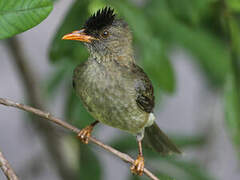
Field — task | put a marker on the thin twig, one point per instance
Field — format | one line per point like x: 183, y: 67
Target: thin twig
x: 6, y: 168
x: 68, y: 126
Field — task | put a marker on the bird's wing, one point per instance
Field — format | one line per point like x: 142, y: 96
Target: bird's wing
x: 144, y: 90
x: 154, y: 137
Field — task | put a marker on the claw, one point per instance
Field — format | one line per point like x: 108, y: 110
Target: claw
x: 85, y: 133
x: 138, y: 166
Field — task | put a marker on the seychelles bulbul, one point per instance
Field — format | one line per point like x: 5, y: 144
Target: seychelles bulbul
x: 113, y: 88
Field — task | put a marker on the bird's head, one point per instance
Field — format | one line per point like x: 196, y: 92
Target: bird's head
x: 104, y: 34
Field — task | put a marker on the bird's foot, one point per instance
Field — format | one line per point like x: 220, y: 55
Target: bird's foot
x: 138, y: 166
x: 85, y: 133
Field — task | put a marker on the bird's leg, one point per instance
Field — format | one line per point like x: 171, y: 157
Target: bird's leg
x: 85, y: 133
x: 138, y: 165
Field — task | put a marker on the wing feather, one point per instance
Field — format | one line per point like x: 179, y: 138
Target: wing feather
x: 144, y: 89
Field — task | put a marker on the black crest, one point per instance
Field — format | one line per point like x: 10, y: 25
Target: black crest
x: 104, y: 17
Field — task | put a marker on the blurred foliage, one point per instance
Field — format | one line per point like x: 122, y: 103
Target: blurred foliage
x: 75, y: 111
x: 198, y: 27
x: 232, y: 84
x: 90, y: 166
x: 67, y: 50
x: 232, y: 106
x: 181, y: 141
x: 234, y: 5
x: 207, y: 29
x: 17, y: 16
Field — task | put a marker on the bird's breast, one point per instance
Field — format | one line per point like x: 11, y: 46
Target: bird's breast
x: 108, y: 93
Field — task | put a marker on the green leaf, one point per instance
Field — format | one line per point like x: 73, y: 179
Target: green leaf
x: 234, y: 5
x: 190, y: 12
x: 210, y: 52
x: 17, y: 16
x: 234, y: 30
x: 232, y: 86
x: 90, y: 166
x: 70, y: 50
x: 232, y: 107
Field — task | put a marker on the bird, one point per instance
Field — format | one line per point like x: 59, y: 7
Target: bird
x: 113, y: 88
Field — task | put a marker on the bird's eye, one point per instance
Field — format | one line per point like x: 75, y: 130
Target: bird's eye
x: 105, y: 34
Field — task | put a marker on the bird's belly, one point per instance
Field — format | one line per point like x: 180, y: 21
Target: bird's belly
x: 111, y: 101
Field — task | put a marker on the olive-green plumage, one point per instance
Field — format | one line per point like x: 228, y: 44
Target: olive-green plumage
x: 108, y: 91
x: 115, y: 90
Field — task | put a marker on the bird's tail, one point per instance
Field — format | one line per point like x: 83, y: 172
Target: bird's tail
x: 159, y: 141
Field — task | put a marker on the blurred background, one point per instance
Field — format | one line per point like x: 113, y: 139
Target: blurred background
x: 190, y: 50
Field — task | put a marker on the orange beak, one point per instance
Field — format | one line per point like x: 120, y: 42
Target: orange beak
x: 79, y: 36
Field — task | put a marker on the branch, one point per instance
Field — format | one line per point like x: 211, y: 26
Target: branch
x: 6, y: 168
x: 65, y: 125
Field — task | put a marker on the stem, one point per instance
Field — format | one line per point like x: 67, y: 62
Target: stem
x: 6, y: 168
